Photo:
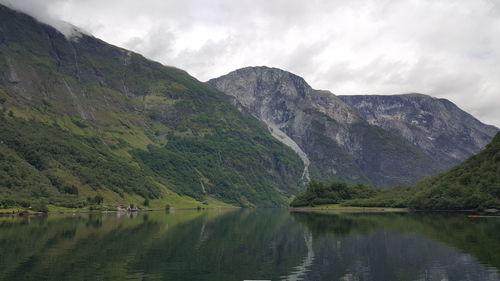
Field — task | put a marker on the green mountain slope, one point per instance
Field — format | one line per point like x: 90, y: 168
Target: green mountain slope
x: 40, y: 162
x: 473, y: 184
x: 127, y: 116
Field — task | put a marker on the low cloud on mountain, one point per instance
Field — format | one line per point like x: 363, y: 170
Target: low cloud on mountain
x: 442, y: 48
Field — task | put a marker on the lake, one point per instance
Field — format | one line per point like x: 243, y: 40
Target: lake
x: 249, y: 244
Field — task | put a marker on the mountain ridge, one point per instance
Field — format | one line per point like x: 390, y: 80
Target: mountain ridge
x: 437, y: 126
x: 338, y: 141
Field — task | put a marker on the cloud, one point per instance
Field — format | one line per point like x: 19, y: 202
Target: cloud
x: 445, y: 48
x: 44, y: 14
x: 157, y: 43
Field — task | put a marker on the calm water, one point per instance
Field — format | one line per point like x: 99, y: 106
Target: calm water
x: 250, y: 244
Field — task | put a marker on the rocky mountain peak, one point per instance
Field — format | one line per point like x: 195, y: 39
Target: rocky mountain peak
x: 323, y: 130
x: 270, y: 77
x: 255, y: 86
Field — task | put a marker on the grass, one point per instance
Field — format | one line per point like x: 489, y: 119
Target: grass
x: 59, y: 209
x: 168, y: 198
x: 15, y: 210
x: 348, y: 209
x: 175, y: 200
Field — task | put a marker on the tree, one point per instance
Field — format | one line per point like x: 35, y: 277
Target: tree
x: 98, y: 199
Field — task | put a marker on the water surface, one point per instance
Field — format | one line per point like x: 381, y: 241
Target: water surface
x: 236, y: 245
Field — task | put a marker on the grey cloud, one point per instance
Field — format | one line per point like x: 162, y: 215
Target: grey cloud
x: 445, y: 48
x: 157, y: 44
x: 203, y: 59
x: 43, y: 13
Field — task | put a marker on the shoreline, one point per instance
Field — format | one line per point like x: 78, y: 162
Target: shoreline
x: 347, y: 209
x: 353, y: 209
x: 318, y: 209
x: 81, y: 211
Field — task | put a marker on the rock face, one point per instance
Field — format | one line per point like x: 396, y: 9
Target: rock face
x: 438, y: 127
x: 337, y: 142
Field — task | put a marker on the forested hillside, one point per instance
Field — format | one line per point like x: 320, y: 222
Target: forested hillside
x: 474, y: 184
x: 82, y: 118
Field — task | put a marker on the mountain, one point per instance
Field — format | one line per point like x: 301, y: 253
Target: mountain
x: 438, y: 127
x: 82, y: 119
x: 333, y: 140
x: 474, y: 184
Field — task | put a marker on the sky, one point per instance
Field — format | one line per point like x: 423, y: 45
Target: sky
x: 443, y: 48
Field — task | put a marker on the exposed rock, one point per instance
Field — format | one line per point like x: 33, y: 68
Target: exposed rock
x: 338, y: 142
x: 438, y: 127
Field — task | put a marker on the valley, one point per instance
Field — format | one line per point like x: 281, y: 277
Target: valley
x: 88, y: 125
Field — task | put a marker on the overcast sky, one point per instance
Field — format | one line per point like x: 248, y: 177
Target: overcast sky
x: 446, y: 48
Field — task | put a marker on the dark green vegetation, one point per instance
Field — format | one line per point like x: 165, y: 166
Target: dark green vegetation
x: 36, y: 160
x: 82, y: 118
x: 247, y: 245
x: 334, y: 193
x: 226, y: 167
x: 474, y: 184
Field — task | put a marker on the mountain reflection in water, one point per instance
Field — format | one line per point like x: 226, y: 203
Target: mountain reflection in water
x: 300, y: 271
x: 249, y: 244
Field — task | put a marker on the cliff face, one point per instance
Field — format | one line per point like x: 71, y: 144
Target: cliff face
x: 286, y: 103
x: 329, y: 134
x: 438, y: 127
